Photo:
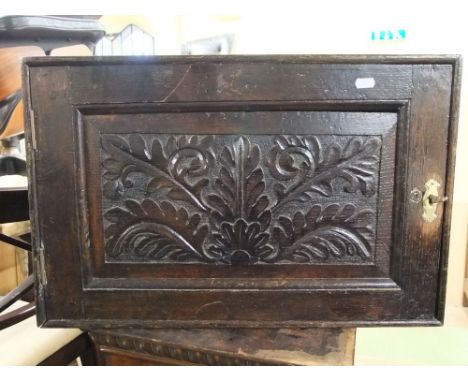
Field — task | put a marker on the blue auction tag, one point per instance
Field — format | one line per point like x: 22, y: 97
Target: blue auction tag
x: 388, y: 35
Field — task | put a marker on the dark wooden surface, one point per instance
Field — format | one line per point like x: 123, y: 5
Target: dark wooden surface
x: 267, y: 191
x: 225, y: 347
x: 14, y: 204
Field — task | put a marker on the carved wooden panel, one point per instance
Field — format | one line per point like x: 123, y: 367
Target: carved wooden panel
x: 230, y: 199
x: 266, y: 191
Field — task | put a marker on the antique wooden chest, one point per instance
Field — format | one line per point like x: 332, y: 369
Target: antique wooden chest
x: 241, y: 191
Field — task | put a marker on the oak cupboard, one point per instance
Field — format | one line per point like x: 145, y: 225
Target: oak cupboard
x: 241, y: 191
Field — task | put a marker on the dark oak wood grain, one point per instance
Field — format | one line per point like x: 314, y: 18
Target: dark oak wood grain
x: 266, y: 191
x: 225, y: 347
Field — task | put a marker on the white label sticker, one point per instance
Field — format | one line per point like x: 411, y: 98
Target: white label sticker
x: 365, y: 83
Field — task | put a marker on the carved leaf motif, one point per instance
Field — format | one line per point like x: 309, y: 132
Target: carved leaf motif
x: 240, y: 185
x: 156, y: 232
x: 314, y: 168
x: 292, y: 156
x: 230, y: 214
x: 356, y: 162
x: 240, y: 243
x: 171, y: 167
x: 324, y: 233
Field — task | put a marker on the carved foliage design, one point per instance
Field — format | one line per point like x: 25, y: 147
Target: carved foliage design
x: 239, y: 206
x: 325, y: 231
x: 315, y: 168
x: 156, y: 232
x: 167, y: 167
x: 240, y: 199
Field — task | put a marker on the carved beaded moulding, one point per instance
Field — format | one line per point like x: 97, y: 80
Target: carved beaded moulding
x: 240, y: 199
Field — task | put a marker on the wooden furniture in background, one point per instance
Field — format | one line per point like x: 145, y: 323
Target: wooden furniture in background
x: 11, y: 104
x: 22, y: 36
x: 236, y: 347
x: 28, y: 36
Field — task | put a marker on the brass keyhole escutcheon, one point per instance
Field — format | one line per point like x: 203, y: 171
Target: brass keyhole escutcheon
x: 431, y: 199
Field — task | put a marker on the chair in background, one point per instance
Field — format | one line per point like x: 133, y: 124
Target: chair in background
x: 23, y: 36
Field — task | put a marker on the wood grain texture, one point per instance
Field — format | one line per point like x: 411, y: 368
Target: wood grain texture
x: 238, y: 103
x: 234, y: 347
x: 95, y: 124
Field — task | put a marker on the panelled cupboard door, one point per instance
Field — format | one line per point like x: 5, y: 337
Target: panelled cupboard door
x: 250, y: 191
